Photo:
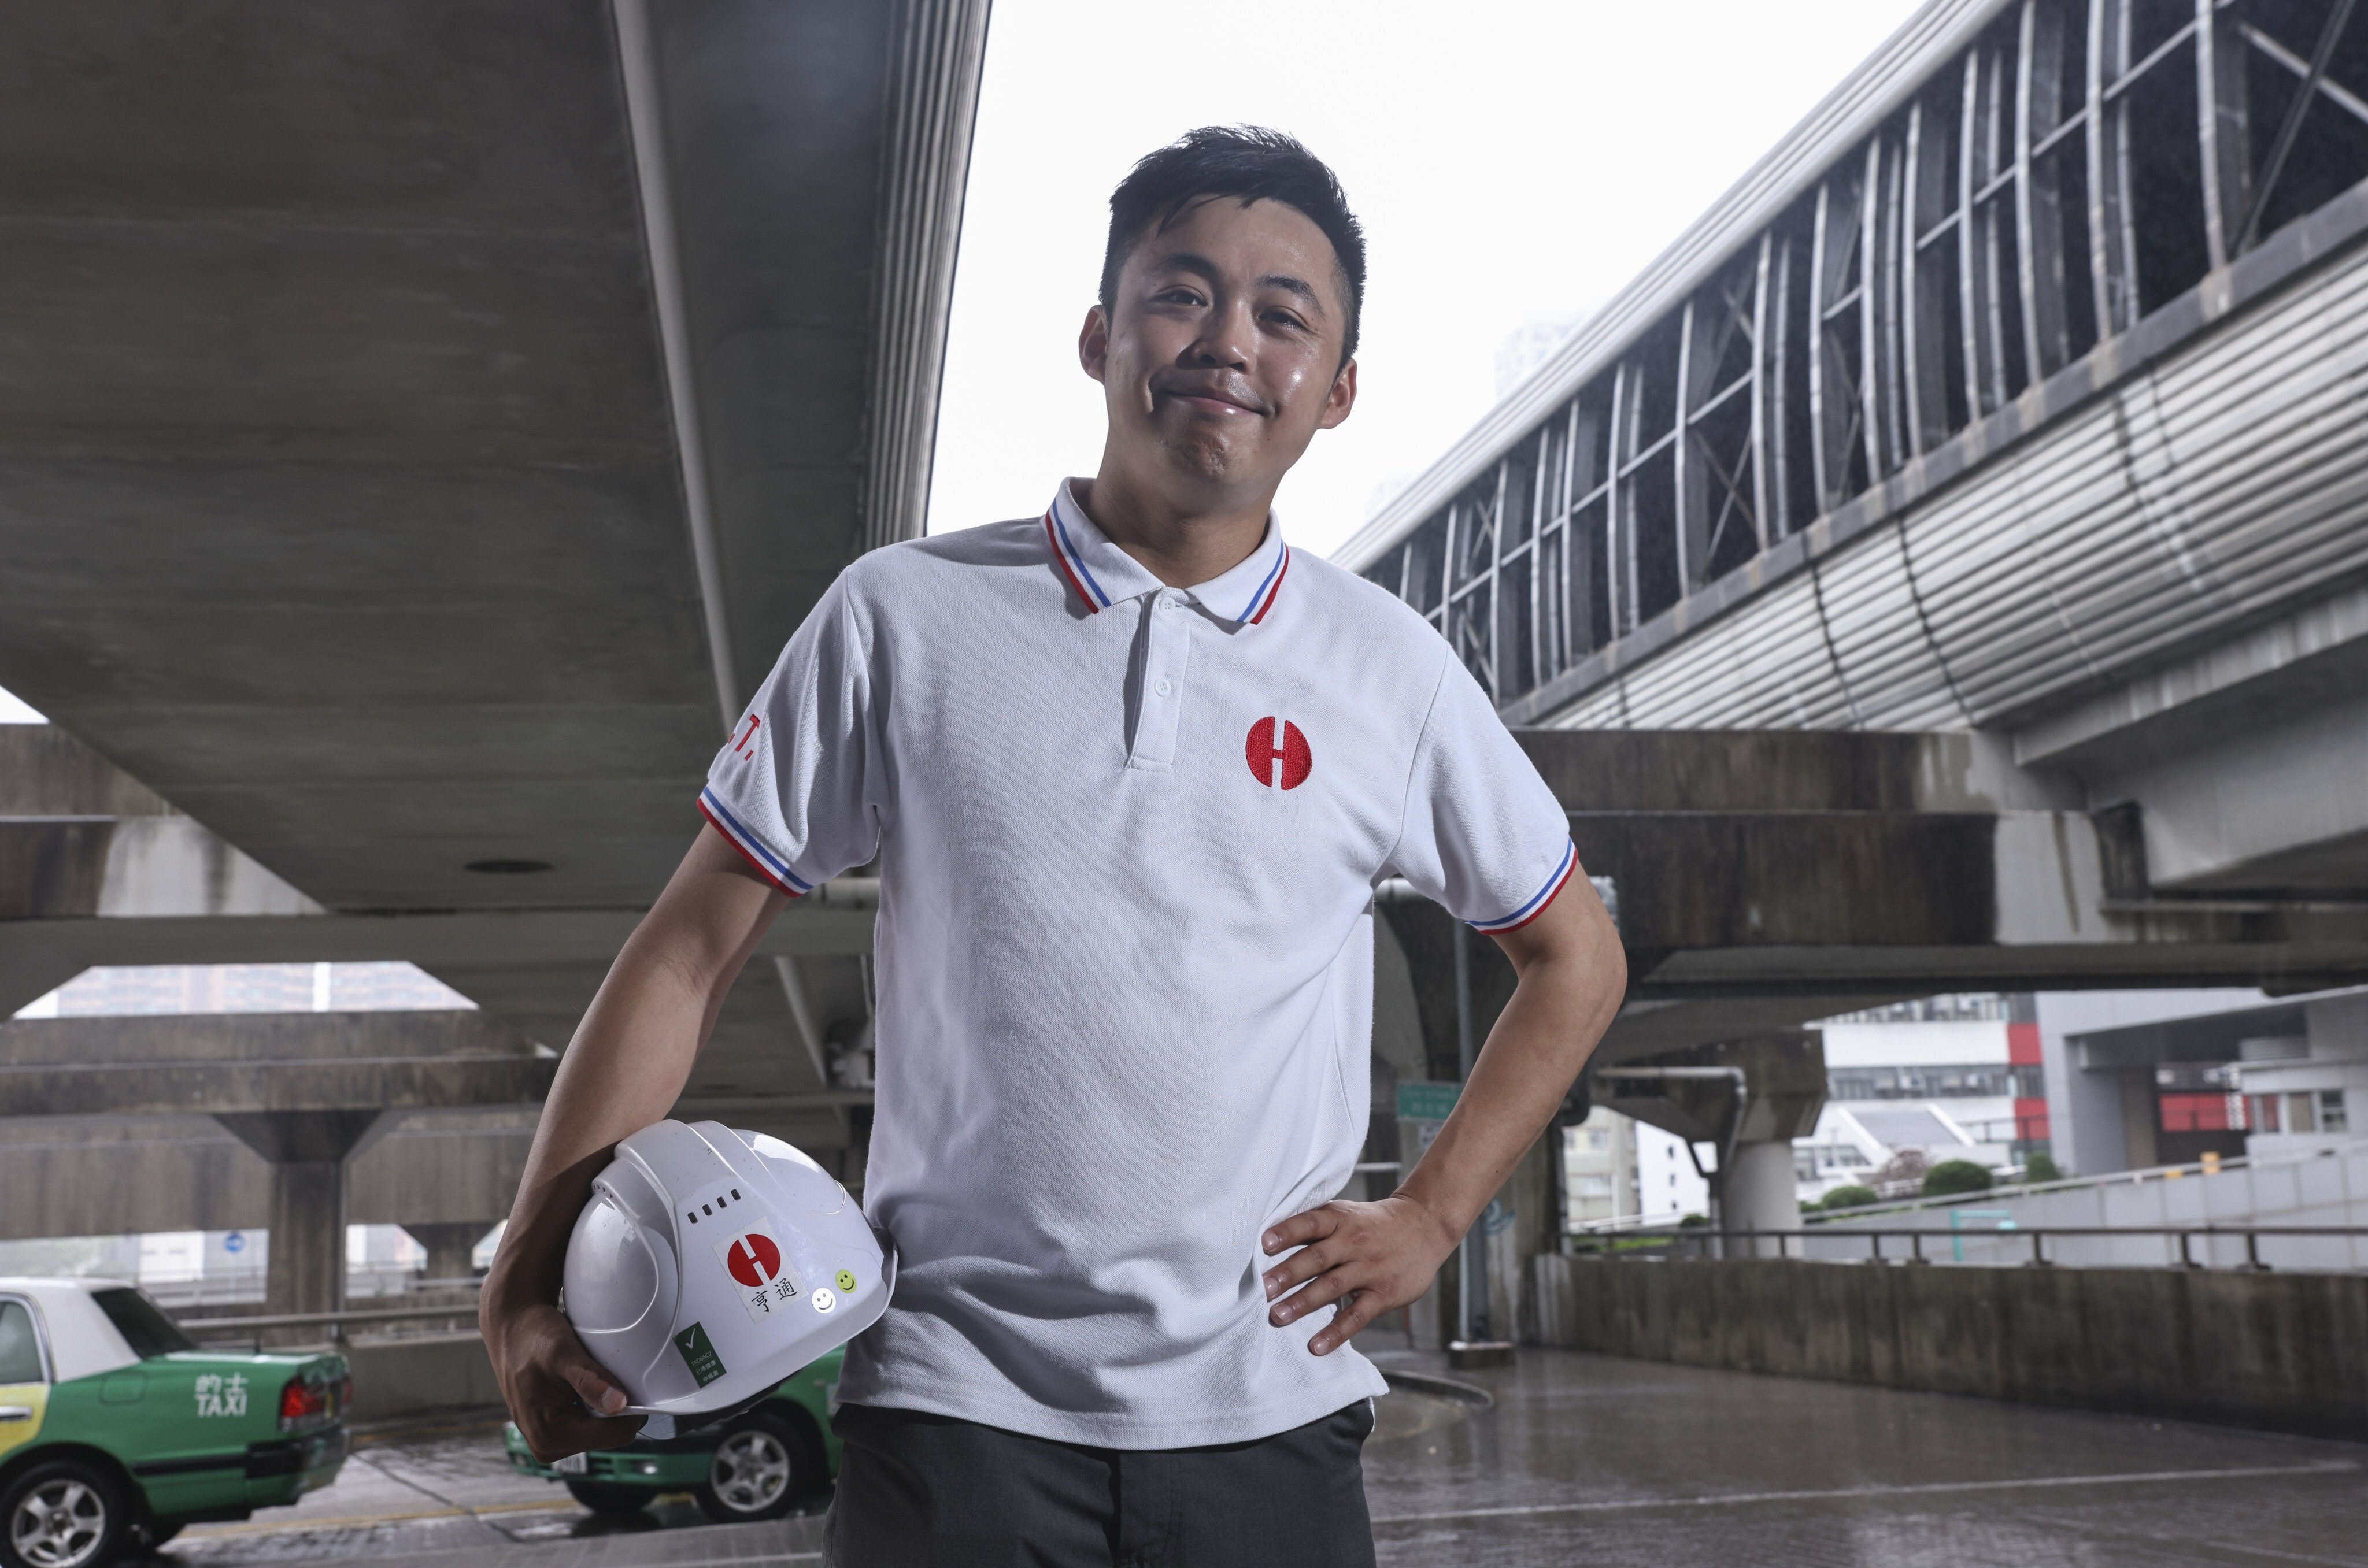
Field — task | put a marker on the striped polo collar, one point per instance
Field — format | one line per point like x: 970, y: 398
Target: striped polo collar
x: 1101, y: 575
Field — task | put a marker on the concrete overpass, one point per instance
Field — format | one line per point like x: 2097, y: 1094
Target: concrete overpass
x: 1997, y: 434
x: 421, y: 426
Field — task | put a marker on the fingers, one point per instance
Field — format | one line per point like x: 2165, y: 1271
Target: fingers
x: 1329, y: 1286
x: 575, y: 1405
x: 1355, y: 1311
x: 591, y: 1385
x: 1300, y: 1266
x: 1300, y: 1229
x: 563, y: 1401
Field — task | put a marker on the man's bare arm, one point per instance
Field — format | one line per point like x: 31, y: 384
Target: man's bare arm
x: 624, y: 1070
x: 1374, y: 1257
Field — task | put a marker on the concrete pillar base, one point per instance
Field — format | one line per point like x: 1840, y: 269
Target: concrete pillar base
x: 1758, y: 1194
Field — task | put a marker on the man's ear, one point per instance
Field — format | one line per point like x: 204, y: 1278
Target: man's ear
x: 1093, y: 342
x: 1341, y: 398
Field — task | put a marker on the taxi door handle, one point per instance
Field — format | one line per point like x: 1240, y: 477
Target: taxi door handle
x: 16, y: 1413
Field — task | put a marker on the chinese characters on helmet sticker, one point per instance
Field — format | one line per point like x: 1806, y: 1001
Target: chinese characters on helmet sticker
x: 218, y: 1395
x: 753, y: 1258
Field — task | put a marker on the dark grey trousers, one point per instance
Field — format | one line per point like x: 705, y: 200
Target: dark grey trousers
x: 918, y: 1490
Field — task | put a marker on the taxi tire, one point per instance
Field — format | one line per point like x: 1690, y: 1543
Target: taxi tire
x: 764, y: 1440
x: 611, y: 1502
x: 115, y: 1518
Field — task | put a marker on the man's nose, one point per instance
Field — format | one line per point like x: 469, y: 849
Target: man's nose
x: 1225, y: 339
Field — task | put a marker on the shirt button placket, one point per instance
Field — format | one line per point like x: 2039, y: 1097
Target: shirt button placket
x: 1170, y: 652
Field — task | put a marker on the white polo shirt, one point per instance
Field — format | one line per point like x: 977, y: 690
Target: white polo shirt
x: 1128, y: 838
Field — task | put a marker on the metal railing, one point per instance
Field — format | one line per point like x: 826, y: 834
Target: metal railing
x: 1702, y: 1244
x: 1913, y: 1203
x: 252, y: 1328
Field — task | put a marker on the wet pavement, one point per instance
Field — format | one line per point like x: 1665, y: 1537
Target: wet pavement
x: 1562, y: 1458
x: 1602, y: 1462
x: 444, y: 1493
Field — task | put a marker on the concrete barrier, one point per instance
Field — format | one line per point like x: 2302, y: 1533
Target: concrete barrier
x: 395, y: 1377
x: 2285, y: 1352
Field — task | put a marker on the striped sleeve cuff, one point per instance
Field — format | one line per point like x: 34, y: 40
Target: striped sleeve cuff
x: 1537, y: 906
x: 770, y: 866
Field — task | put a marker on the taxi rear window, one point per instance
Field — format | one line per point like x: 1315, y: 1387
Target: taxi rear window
x: 146, y: 1330
x: 20, y: 1357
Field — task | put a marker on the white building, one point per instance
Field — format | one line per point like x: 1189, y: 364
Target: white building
x: 1668, y: 1187
x: 1935, y: 1077
x: 1619, y: 1169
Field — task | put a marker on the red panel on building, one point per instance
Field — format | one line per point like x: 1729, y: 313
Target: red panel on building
x: 2202, y: 1113
x: 2030, y: 1113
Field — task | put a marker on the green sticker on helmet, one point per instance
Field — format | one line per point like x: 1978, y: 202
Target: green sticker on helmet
x: 699, y: 1355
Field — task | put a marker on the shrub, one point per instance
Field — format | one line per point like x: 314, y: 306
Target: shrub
x: 2042, y: 1167
x: 1849, y: 1197
x: 1956, y: 1176
x: 1691, y: 1222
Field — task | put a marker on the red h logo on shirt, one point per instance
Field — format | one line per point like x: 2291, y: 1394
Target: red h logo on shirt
x: 1264, y: 754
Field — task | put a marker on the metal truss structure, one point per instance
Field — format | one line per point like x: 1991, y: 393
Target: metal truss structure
x: 2073, y: 170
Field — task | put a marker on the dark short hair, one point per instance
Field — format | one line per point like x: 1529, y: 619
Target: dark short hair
x: 1244, y: 161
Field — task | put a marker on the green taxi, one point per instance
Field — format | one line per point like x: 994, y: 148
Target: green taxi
x: 116, y: 1430
x: 757, y: 1465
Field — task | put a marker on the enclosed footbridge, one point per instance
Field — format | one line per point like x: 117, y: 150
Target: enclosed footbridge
x: 1981, y: 491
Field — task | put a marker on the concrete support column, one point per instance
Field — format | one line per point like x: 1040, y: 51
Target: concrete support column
x: 308, y: 1237
x: 1757, y: 1194
x: 449, y: 1245
x: 309, y: 1152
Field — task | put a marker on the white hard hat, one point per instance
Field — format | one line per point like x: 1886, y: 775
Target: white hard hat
x: 709, y: 1264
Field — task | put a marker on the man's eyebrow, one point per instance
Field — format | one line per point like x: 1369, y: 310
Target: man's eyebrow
x: 1188, y: 261
x: 1296, y: 286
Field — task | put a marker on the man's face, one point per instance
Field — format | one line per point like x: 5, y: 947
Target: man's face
x: 1220, y: 357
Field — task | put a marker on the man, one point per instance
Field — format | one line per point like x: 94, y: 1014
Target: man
x: 1132, y: 770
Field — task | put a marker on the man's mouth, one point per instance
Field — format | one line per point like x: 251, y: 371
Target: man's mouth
x: 1210, y: 400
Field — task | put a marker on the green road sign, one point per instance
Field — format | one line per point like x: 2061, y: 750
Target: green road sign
x: 1425, y: 1102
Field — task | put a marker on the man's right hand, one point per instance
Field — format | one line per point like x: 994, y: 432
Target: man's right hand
x: 564, y: 1403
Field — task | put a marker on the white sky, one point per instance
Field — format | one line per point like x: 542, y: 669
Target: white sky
x: 1514, y: 164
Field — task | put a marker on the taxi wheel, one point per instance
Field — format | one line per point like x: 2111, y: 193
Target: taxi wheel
x: 761, y: 1467
x: 610, y: 1502
x: 62, y: 1514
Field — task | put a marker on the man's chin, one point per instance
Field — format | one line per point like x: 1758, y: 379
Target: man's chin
x: 1210, y: 457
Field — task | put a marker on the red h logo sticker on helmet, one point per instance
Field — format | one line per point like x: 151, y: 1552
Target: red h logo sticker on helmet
x: 1263, y: 753
x: 753, y: 1259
